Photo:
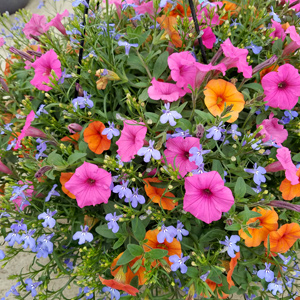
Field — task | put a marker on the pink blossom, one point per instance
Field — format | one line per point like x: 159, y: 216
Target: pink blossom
x: 29, y: 119
x: 274, y: 167
x: 236, y: 58
x: 206, y: 197
x: 131, y: 139
x: 208, y: 38
x: 56, y: 22
x: 294, y: 44
x: 145, y: 7
x: 36, y: 26
x: 282, y: 88
x: 4, y: 168
x: 2, y: 41
x: 43, y: 66
x: 279, y: 32
x: 204, y: 14
x: 118, y: 4
x: 284, y: 157
x: 165, y: 91
x: 19, y: 202
x: 90, y: 185
x: 177, y: 149
x: 295, y: 7
x: 272, y: 130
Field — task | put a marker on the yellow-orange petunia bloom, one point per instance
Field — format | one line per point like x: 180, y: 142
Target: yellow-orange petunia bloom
x: 93, y: 136
x: 178, y: 10
x: 267, y: 221
x: 219, y: 92
x: 212, y: 285
x: 232, y: 265
x: 288, y: 190
x: 157, y: 194
x: 65, y: 177
x: 152, y: 243
x: 284, y: 238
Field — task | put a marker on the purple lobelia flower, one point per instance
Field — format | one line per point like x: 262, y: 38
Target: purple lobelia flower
x: 179, y: 132
x: 53, y: 192
x: 28, y: 239
x: 255, y: 49
x: 274, y: 15
x: 266, y: 274
x: 178, y: 263
x: 13, y: 237
x: 44, y: 246
x: 230, y: 245
x: 41, y: 110
x: 285, y: 260
x: 47, y: 216
x: 83, y: 235
x: 215, y: 132
x: 167, y: 233
x: 31, y: 286
x: 233, y: 131
x: 6, y: 127
x: 115, y: 294
x: 180, y: 231
x: 2, y: 254
x: 19, y: 226
x: 41, y: 148
x: 111, y: 131
x: 169, y: 115
x: 275, y: 287
x: 13, y: 290
x: 82, y: 102
x: 199, y: 170
x: 149, y: 152
x: 112, y: 221
x: 127, y: 46
x: 204, y: 276
x: 63, y: 76
x: 258, y: 174
x: 78, y: 2
x: 135, y: 198
x: 197, y: 155
x: 122, y: 190
x: 18, y: 191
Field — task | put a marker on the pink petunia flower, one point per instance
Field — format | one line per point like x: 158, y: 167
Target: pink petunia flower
x: 294, y: 44
x: 131, y: 139
x: 118, y: 4
x: 204, y: 14
x: 20, y: 202
x: 56, y: 22
x: 290, y: 2
x: 2, y: 41
x: 284, y: 157
x: 27, y: 130
x: 274, y: 167
x: 43, y: 67
x: 90, y: 185
x: 177, y: 149
x: 236, y: 58
x: 282, y: 88
x: 206, y: 197
x: 272, y: 130
x: 279, y: 31
x: 4, y: 168
x: 145, y: 7
x: 36, y: 26
x: 208, y: 38
x: 165, y: 91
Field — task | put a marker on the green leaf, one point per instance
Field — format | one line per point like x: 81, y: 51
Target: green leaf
x: 248, y: 214
x: 55, y: 159
x: 296, y: 157
x: 192, y: 272
x: 205, y: 117
x: 215, y: 275
x: 255, y: 86
x: 240, y: 188
x: 233, y: 227
x: 119, y: 243
x: 277, y: 47
x: 50, y: 174
x: 138, y: 228
x: 158, y: 253
x: 104, y: 231
x: 144, y: 95
x: 217, y: 166
x: 160, y: 64
x: 125, y: 258
x: 135, y: 250
x: 152, y: 116
x: 212, y: 235
x: 75, y: 156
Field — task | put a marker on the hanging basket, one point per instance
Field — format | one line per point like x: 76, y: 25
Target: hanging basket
x: 12, y: 5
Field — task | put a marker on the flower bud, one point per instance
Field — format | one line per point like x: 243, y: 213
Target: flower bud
x: 74, y: 127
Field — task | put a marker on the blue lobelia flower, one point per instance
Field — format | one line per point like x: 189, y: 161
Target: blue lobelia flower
x: 163, y: 3
x: 180, y: 231
x: 64, y: 74
x: 28, y: 239
x: 6, y: 127
x: 266, y: 274
x: 13, y: 290
x: 53, y: 192
x: 78, y: 2
x: 167, y: 233
x: 41, y: 4
x: 233, y: 131
x: 31, y: 286
x: 13, y: 237
x: 230, y: 245
x: 47, y: 216
x: 44, y: 246
x: 82, y: 102
x: 258, y: 172
x: 204, y: 276
x: 197, y: 155
x: 135, y: 198
x: 19, y: 226
x: 112, y: 221
x: 179, y: 132
x: 115, y: 294
x: 285, y: 260
x: 275, y: 287
x: 235, y: 23
x: 18, y: 191
x: 178, y: 263
x: 127, y: 46
x: 255, y: 49
x: 41, y: 110
x: 169, y: 115
x: 149, y: 152
x: 215, y: 132
x: 289, y: 115
x: 2, y: 254
x: 274, y: 15
x: 122, y: 190
x: 83, y: 235
x: 199, y: 170
x: 111, y: 131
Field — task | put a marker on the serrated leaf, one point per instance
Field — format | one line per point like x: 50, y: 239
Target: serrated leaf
x: 160, y: 65
x: 135, y: 250
x: 240, y: 188
x: 125, y: 258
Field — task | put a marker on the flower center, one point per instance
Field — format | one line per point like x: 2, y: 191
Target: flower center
x: 91, y: 181
x: 282, y: 85
x: 187, y: 154
x: 219, y: 100
x: 47, y: 72
x: 207, y: 192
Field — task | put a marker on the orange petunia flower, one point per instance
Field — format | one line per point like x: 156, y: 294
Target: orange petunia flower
x: 265, y: 71
x: 231, y: 9
x: 219, y: 92
x: 156, y: 194
x: 284, y: 238
x: 212, y: 285
x: 288, y: 190
x: 74, y: 138
x: 232, y: 265
x: 178, y: 10
x: 152, y: 243
x: 93, y: 136
x: 90, y: 221
x: 65, y: 177
x: 119, y: 284
x: 268, y: 223
x: 129, y: 274
x: 169, y: 24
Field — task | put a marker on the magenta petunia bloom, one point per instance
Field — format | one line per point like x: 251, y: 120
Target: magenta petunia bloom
x: 178, y: 150
x: 284, y: 157
x: 36, y: 26
x: 208, y: 38
x: 279, y: 31
x: 145, y: 7
x: 273, y: 131
x: 206, y: 197
x: 43, y: 67
x: 4, y: 168
x: 90, y: 185
x: 282, y: 88
x: 294, y: 44
x: 165, y: 91
x: 131, y: 139
x: 56, y: 22
x: 204, y: 14
x: 236, y: 58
